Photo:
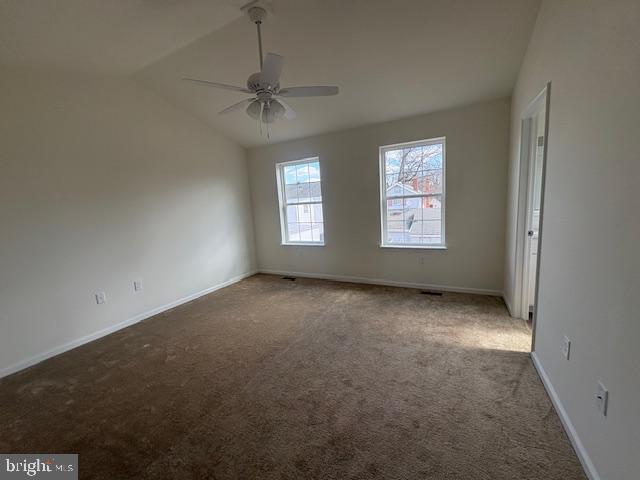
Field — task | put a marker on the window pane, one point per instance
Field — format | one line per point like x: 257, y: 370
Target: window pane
x: 412, y: 212
x: 434, y: 202
x: 432, y: 157
x: 416, y: 232
x: 316, y: 213
x: 305, y: 232
x: 392, y: 161
x: 303, y: 213
x: 432, y: 232
x: 418, y: 211
x: 395, y: 219
x: 289, y: 175
x: 394, y: 204
x: 303, y: 193
x: 390, y: 180
x: 395, y: 231
x: 291, y: 193
x: 294, y: 232
x: 317, y: 232
x: 396, y: 226
x: 315, y: 193
x: 302, y: 173
x: 314, y: 172
x: 431, y: 181
x: 292, y: 214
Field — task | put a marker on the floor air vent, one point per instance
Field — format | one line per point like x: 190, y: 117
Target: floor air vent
x: 293, y: 279
x: 431, y: 292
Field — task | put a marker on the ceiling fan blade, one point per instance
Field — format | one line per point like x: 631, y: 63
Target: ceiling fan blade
x: 217, y: 85
x: 289, y: 113
x: 315, y: 91
x: 271, y: 69
x: 236, y: 106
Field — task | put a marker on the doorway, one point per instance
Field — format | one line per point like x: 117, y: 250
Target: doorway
x: 533, y: 154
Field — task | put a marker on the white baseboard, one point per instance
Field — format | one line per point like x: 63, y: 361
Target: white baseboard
x: 508, y: 305
x: 379, y: 281
x: 16, y: 367
x: 583, y: 456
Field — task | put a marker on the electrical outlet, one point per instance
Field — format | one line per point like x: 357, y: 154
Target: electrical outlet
x: 566, y: 347
x: 602, y: 398
x: 101, y: 298
x: 137, y: 285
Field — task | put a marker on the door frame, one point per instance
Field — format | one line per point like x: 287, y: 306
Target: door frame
x: 527, y: 150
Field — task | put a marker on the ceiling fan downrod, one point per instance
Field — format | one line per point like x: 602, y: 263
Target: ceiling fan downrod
x: 257, y: 14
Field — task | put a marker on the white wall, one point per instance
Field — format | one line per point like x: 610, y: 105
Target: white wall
x: 477, y: 151
x: 102, y: 183
x: 590, y: 264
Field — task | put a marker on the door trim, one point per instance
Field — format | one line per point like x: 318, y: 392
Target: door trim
x: 522, y: 307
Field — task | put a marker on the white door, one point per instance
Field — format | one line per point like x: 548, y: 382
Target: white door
x: 533, y: 227
x: 533, y: 152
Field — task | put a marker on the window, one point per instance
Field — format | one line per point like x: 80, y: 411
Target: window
x: 412, y: 181
x: 300, y: 197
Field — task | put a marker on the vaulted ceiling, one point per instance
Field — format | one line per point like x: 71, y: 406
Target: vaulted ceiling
x: 390, y: 58
x: 107, y: 36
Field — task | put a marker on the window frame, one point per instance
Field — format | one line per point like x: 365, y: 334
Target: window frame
x: 282, y: 203
x: 383, y: 195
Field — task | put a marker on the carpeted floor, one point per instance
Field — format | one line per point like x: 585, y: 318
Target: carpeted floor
x: 273, y: 379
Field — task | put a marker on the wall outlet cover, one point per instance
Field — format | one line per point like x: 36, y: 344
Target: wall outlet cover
x: 101, y: 298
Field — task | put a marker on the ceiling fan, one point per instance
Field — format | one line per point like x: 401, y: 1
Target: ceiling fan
x: 267, y: 104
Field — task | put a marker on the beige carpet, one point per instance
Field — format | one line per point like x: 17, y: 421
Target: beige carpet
x: 273, y: 379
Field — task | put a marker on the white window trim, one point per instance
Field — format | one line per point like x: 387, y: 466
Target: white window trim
x: 383, y: 204
x: 284, y: 234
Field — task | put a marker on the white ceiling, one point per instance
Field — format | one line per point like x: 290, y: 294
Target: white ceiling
x: 107, y: 36
x: 390, y: 58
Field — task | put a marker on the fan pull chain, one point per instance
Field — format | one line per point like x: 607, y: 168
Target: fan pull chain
x: 260, y: 118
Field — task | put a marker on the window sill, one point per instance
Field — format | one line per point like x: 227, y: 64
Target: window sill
x: 416, y: 247
x: 302, y: 244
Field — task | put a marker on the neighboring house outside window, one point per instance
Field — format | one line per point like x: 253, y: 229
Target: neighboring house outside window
x: 300, y: 197
x: 412, y: 190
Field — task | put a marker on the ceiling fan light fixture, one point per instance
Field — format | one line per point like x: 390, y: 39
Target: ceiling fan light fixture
x: 268, y: 115
x: 277, y: 109
x: 253, y: 110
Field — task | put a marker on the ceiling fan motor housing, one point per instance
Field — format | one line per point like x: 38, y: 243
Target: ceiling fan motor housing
x: 255, y: 85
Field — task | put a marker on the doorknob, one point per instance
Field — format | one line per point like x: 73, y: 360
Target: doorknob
x: 530, y: 233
